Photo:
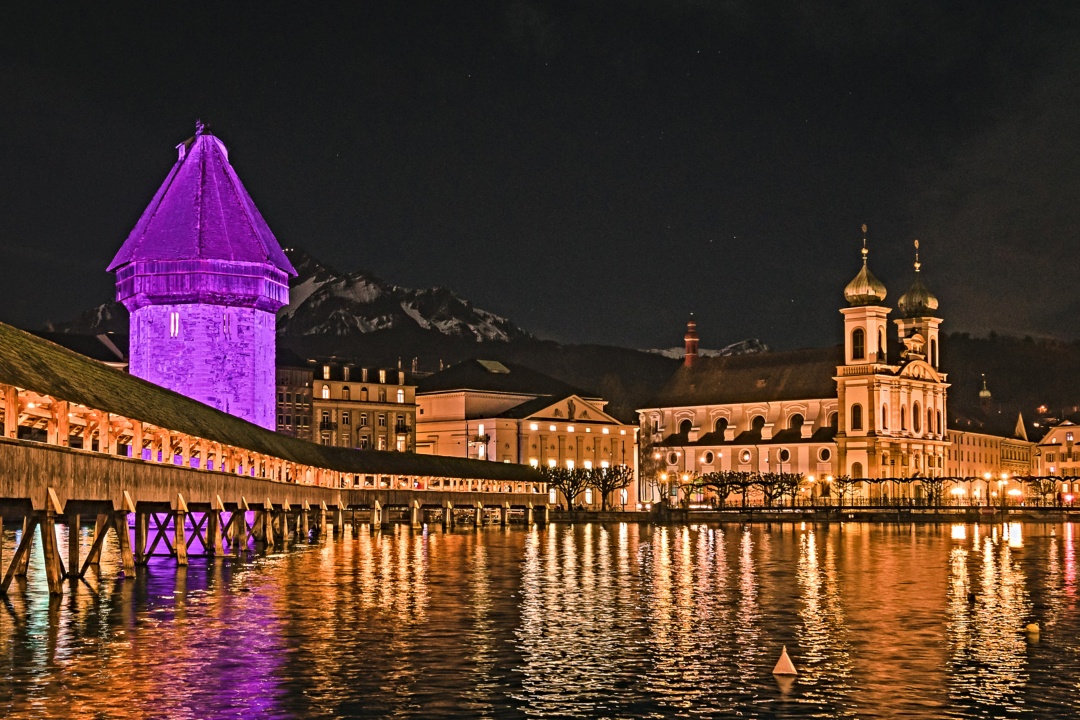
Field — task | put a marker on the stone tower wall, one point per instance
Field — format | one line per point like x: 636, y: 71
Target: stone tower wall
x: 221, y: 356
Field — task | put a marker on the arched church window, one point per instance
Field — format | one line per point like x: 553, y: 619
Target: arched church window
x: 795, y: 422
x: 916, y: 417
x: 856, y: 470
x: 834, y: 420
x: 685, y: 426
x: 937, y: 423
x: 757, y: 422
x: 881, y: 345
x: 858, y: 344
x: 933, y: 352
x: 903, y: 417
x: 721, y: 425
x: 325, y: 392
x: 929, y: 420
x: 856, y: 417
x: 884, y: 417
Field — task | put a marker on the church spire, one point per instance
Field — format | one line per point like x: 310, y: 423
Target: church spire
x: 865, y: 289
x: 917, y: 301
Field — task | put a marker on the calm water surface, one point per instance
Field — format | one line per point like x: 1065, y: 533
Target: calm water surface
x: 573, y: 621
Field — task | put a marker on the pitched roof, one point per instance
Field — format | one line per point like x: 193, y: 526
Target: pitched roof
x: 758, y: 377
x: 492, y: 376
x: 202, y: 212
x: 32, y: 363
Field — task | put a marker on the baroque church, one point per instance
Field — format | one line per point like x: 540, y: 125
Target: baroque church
x: 824, y: 412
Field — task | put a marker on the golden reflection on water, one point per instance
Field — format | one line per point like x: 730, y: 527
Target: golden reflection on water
x: 582, y: 620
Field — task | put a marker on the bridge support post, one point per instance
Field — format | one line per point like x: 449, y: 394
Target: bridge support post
x: 213, y: 532
x: 504, y: 515
x: 447, y: 515
x: 179, y: 535
x: 54, y: 569
x: 384, y: 517
x: 479, y: 518
x: 267, y: 523
x: 21, y: 558
x: 101, y: 528
x: 414, y: 514
x: 123, y: 537
x: 322, y: 521
x: 142, y: 526
x: 541, y: 514
x: 241, y: 528
x: 529, y: 515
x: 376, y: 517
x: 74, y: 522
x: 339, y: 522
x: 302, y: 529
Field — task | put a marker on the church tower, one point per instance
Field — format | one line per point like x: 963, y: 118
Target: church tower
x: 203, y: 276
x: 917, y: 323
x: 865, y: 350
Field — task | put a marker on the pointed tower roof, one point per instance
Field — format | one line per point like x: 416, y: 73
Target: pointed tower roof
x: 864, y: 289
x: 917, y: 301
x: 202, y: 212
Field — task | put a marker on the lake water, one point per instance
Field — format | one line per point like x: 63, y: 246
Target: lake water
x: 574, y: 621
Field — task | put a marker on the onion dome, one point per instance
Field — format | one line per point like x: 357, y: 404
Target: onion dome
x: 918, y: 301
x: 865, y: 289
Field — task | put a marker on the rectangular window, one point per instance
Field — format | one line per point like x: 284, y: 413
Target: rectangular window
x: 382, y: 419
x: 346, y: 417
x: 363, y: 442
x: 325, y: 372
x: 345, y: 370
x: 363, y: 420
x: 382, y: 395
x: 174, y: 324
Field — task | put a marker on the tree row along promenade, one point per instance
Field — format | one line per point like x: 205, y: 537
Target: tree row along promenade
x: 82, y: 441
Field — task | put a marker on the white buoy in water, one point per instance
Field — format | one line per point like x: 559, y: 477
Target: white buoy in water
x: 784, y: 666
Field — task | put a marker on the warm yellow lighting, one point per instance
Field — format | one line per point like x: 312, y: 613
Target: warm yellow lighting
x: 622, y: 432
x: 663, y: 476
x: 809, y: 478
x: 551, y: 463
x: 534, y: 462
x: 959, y: 491
x: 1004, y: 476
x: 534, y: 426
x: 605, y: 431
x: 828, y: 478
x: 1015, y: 492
x: 959, y: 532
x: 551, y: 428
x: 569, y: 428
x: 987, y: 476
x: 685, y: 477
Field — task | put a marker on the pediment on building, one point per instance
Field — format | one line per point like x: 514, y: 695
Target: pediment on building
x: 571, y: 408
x: 919, y: 369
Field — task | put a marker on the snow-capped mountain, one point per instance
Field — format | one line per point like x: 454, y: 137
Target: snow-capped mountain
x: 325, y: 302
x: 743, y: 347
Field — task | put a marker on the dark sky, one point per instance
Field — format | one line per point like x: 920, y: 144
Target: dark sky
x: 593, y: 170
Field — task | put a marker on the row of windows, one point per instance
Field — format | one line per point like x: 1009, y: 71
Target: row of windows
x: 1064, y: 456
x: 287, y: 420
x: 757, y: 423
x: 346, y: 394
x: 933, y: 419
x: 287, y: 398
x: 858, y: 347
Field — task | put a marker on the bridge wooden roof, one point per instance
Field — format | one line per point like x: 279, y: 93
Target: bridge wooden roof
x: 35, y: 364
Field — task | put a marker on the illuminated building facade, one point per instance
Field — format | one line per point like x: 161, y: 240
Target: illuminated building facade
x: 820, y: 412
x: 364, y: 408
x: 1058, y: 454
x: 202, y: 276
x: 508, y: 413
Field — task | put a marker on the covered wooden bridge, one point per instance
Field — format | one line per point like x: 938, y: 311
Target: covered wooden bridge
x: 82, y: 442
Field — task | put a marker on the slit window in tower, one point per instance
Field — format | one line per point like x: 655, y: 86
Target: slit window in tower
x: 174, y: 324
x: 858, y: 344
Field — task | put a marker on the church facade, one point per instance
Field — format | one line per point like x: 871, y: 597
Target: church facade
x: 848, y: 410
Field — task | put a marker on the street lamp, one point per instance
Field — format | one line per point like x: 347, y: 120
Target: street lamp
x: 986, y: 477
x: 1001, y: 485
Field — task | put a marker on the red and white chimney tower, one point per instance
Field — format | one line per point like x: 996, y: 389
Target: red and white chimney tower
x: 691, y: 342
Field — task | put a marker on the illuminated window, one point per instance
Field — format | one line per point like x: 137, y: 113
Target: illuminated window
x: 588, y: 464
x: 569, y: 464
x: 345, y: 374
x: 401, y: 443
x: 551, y: 463
x: 551, y: 496
x: 325, y: 392
x: 588, y: 496
x: 622, y: 432
x: 605, y: 431
x: 744, y: 456
x: 401, y: 396
x: 551, y: 428
x: 325, y: 372
x: 569, y: 428
x: 534, y: 462
x: 225, y: 323
x: 533, y: 426
x: 174, y: 324
x: 382, y: 376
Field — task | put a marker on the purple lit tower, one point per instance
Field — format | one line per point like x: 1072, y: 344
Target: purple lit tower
x: 202, y: 276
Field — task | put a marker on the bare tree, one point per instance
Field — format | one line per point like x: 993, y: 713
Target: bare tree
x: 570, y: 483
x: 607, y: 480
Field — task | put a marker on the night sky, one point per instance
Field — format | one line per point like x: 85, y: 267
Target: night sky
x: 595, y: 171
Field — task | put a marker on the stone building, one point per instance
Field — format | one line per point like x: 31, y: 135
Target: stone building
x: 202, y: 276
x: 505, y: 412
x: 295, y: 378
x: 1058, y: 455
x: 821, y: 412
